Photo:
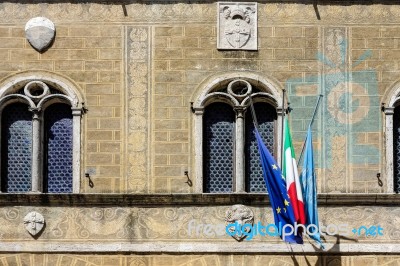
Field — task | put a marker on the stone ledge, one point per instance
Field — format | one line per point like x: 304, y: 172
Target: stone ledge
x: 202, y: 248
x: 159, y: 200
x: 310, y: 2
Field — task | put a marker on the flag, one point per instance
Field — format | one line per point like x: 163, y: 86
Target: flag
x: 278, y: 196
x: 292, y: 176
x: 310, y: 190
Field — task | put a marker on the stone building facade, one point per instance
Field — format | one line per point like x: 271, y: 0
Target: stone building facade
x: 139, y: 75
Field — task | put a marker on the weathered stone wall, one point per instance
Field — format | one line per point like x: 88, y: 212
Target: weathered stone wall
x: 154, y: 225
x: 183, y: 225
x: 92, y: 57
x: 139, y: 66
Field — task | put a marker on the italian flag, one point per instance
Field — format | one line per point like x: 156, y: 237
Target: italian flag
x: 289, y: 171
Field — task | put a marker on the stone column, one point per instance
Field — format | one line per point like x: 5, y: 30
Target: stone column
x: 76, y: 148
x: 198, y: 149
x: 1, y: 114
x: 239, y: 185
x: 37, y: 148
x: 389, y: 171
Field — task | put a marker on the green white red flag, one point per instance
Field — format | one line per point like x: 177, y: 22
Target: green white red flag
x: 290, y: 172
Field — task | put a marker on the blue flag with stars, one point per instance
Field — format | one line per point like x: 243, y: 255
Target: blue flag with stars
x: 278, y: 196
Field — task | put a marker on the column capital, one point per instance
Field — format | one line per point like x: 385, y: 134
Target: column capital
x: 239, y: 111
x: 198, y: 110
x: 76, y: 111
x: 36, y: 112
x: 388, y: 110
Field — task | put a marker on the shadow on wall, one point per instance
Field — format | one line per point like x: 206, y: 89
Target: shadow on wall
x: 326, y: 257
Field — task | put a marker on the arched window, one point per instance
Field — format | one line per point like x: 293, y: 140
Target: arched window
x: 227, y: 158
x: 40, y: 135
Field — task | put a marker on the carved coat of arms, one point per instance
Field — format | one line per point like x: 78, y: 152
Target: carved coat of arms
x: 40, y: 33
x: 34, y: 223
x: 239, y: 215
x: 237, y: 26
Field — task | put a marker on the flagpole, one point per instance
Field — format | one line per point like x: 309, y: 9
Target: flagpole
x: 282, y: 125
x: 253, y: 113
x: 255, y: 122
x: 311, y: 122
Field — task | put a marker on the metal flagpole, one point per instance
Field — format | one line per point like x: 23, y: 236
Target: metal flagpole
x: 310, y: 125
x: 253, y: 113
x: 283, y: 125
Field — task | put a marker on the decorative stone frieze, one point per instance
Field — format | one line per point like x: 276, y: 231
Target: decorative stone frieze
x: 192, y: 228
x: 137, y: 91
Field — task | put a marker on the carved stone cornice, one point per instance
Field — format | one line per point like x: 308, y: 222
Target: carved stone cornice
x: 160, y: 200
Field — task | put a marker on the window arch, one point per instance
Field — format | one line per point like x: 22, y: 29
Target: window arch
x: 40, y: 123
x: 226, y: 154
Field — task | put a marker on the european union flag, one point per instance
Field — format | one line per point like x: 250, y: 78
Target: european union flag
x: 310, y: 190
x: 278, y: 196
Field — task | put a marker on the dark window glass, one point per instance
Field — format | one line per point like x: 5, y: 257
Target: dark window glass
x: 266, y: 117
x: 396, y: 148
x: 218, y: 147
x: 58, y: 149
x: 16, y: 151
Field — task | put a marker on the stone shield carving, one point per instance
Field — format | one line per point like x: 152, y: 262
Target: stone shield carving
x: 40, y: 33
x: 239, y: 215
x: 34, y: 223
x: 237, y: 26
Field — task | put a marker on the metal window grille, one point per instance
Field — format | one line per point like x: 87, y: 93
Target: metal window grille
x: 218, y: 147
x: 58, y: 148
x: 266, y: 117
x: 16, y: 152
